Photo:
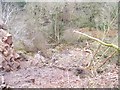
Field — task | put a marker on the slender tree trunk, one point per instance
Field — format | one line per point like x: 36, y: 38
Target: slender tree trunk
x: 0, y: 10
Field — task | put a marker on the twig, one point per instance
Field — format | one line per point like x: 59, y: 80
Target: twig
x: 98, y: 40
x: 107, y: 59
x: 94, y: 55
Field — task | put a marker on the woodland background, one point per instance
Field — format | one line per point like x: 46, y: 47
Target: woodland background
x: 42, y: 33
x: 36, y: 26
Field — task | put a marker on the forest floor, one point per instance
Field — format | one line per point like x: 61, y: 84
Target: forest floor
x: 64, y: 70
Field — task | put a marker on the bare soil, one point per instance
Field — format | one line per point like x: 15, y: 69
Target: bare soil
x: 65, y: 69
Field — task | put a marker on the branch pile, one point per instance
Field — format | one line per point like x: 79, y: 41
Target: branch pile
x: 9, y: 59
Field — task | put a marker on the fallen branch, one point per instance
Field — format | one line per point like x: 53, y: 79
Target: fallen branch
x: 98, y: 40
x: 107, y: 59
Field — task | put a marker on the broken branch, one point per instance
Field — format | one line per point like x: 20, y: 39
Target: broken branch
x: 98, y: 40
